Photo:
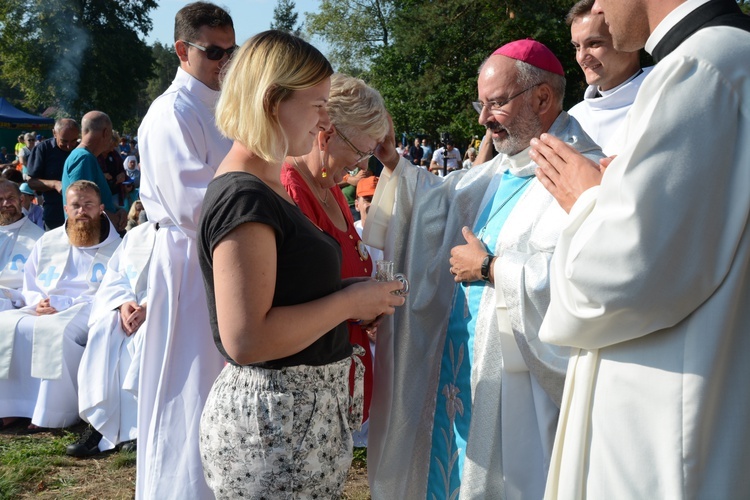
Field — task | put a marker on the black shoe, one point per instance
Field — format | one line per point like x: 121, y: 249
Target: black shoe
x: 128, y: 446
x: 87, y: 444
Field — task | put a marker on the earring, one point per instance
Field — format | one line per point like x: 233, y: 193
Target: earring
x: 324, y: 172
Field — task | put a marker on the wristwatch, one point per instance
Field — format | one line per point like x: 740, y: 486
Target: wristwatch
x: 485, y: 269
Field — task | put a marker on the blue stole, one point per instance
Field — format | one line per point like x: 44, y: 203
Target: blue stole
x: 452, y: 419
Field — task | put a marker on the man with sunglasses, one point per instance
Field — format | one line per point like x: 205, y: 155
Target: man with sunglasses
x: 46, y: 169
x: 466, y: 398
x: 180, y: 150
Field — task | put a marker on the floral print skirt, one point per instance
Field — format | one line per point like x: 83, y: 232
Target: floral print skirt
x: 271, y: 434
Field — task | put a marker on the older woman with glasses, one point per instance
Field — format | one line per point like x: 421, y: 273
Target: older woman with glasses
x: 359, y: 122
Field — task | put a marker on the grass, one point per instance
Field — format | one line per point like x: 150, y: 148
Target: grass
x: 35, y: 466
x: 28, y: 460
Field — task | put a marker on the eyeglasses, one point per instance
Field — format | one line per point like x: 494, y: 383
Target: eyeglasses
x: 213, y: 52
x: 495, y: 107
x: 362, y: 156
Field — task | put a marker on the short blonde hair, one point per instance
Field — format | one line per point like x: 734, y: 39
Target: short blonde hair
x: 262, y: 73
x: 85, y: 185
x: 356, y: 108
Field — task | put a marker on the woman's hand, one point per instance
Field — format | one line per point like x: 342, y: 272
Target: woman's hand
x: 370, y: 299
x: 345, y: 282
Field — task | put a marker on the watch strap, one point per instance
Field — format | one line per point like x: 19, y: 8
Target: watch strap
x: 485, y: 269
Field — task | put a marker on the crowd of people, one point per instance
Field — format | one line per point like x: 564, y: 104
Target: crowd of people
x: 576, y: 318
x: 39, y: 168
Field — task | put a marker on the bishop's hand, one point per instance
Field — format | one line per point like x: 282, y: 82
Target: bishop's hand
x: 466, y: 260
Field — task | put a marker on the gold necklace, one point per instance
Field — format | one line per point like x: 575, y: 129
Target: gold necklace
x: 306, y: 173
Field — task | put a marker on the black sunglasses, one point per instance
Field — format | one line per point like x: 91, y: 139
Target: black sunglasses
x: 213, y: 52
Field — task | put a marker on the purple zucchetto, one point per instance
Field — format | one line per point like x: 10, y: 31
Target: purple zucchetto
x: 532, y: 52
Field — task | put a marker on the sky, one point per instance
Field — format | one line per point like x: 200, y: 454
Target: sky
x: 249, y: 16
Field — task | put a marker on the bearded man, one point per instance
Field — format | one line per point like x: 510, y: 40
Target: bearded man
x: 39, y: 361
x: 17, y: 237
x: 466, y: 397
x: 81, y: 164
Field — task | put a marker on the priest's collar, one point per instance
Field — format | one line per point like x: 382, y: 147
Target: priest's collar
x: 611, y: 91
x: 520, y: 164
x: 670, y: 21
x: 196, y: 87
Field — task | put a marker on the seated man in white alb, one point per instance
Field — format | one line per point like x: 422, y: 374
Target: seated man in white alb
x: 17, y: 237
x: 39, y: 361
x: 108, y: 374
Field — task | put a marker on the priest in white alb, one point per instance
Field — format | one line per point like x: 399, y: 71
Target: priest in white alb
x: 613, y: 77
x: 17, y: 237
x: 651, y: 276
x: 180, y: 150
x: 39, y: 360
x: 108, y: 374
x: 466, y: 396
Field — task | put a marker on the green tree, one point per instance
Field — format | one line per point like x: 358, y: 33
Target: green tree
x: 428, y: 75
x: 355, y: 30
x: 76, y: 55
x: 165, y: 63
x: 164, y: 67
x: 285, y: 17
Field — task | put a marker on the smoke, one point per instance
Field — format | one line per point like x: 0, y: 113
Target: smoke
x: 64, y: 25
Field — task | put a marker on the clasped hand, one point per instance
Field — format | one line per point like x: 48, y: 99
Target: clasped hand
x: 44, y: 308
x: 565, y: 172
x: 132, y: 317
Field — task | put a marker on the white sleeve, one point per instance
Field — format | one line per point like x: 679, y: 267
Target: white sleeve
x: 655, y: 241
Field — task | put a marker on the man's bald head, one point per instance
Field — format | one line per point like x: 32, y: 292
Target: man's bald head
x: 96, y: 132
x: 95, y: 121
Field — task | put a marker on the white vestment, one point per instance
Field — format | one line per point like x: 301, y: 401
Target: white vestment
x: 108, y: 373
x: 651, y: 287
x: 602, y: 117
x: 180, y: 151
x: 49, y: 347
x: 16, y: 242
x: 516, y: 381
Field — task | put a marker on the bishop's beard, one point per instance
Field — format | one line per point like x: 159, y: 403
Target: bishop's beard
x: 84, y: 232
x: 524, y: 127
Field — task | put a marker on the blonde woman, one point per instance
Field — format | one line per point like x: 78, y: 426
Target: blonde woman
x: 359, y: 122
x: 277, y: 420
x: 134, y: 215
